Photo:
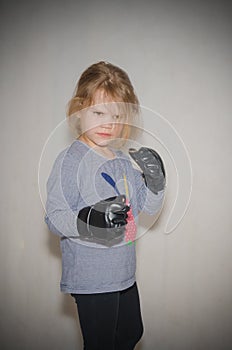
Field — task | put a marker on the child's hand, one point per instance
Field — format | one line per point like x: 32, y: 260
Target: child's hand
x: 152, y: 166
x: 104, y: 222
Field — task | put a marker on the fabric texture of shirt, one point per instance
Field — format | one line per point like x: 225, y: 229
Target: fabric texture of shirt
x: 75, y: 182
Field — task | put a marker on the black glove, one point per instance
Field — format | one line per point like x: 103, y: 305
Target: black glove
x: 104, y: 222
x: 152, y: 167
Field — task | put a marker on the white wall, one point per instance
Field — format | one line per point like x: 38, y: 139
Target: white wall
x: 178, y: 55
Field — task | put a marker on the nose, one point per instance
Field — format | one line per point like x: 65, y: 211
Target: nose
x: 108, y: 126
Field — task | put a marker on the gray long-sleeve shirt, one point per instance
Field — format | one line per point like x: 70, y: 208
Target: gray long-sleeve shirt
x: 76, y: 182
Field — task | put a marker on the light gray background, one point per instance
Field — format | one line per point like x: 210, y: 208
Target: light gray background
x: 178, y: 55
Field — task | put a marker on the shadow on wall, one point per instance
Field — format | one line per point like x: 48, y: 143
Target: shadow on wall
x: 139, y: 346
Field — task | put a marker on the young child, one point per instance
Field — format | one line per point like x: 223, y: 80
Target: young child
x: 94, y: 196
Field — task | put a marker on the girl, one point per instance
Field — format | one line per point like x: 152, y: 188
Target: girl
x: 94, y: 196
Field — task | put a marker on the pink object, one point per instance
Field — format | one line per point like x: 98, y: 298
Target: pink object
x: 130, y: 227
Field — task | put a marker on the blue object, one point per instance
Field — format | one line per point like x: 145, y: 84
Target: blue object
x: 110, y: 181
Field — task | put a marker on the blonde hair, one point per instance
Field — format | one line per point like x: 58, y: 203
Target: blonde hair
x: 114, y: 82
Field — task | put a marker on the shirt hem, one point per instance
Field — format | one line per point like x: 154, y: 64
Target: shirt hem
x: 112, y: 288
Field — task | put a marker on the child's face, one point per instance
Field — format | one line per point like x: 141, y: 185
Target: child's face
x: 101, y: 123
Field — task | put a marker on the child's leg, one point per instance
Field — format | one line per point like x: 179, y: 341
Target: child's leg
x: 130, y: 326
x: 98, y: 314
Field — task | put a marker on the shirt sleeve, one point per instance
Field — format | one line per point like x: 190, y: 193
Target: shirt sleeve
x: 62, y: 197
x: 148, y: 202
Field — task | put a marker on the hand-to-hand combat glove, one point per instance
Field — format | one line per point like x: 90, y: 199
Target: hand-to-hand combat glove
x: 152, y: 167
x: 104, y: 222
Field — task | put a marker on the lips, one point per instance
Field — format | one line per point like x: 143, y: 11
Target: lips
x: 103, y: 134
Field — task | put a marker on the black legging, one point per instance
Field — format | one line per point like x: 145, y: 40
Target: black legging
x: 110, y: 321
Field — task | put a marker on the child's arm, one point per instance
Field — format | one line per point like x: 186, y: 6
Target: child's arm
x: 103, y: 222
x: 62, y: 197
